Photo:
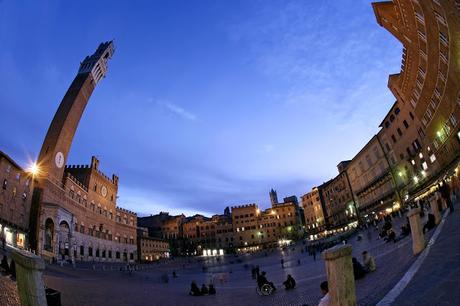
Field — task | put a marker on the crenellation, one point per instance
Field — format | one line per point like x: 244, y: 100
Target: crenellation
x: 98, y: 189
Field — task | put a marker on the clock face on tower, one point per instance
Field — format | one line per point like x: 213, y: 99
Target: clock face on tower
x: 59, y: 159
x: 104, y: 191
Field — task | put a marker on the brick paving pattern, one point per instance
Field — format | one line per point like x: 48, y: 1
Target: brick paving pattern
x: 85, y: 287
x: 437, y: 282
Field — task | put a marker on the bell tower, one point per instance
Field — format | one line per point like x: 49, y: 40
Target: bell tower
x: 58, y: 140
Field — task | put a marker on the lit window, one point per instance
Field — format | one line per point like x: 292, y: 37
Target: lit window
x: 443, y: 38
x: 420, y: 18
x: 422, y: 36
x: 453, y: 119
x: 424, y: 165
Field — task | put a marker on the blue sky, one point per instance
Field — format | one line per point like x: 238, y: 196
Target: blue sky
x: 206, y: 104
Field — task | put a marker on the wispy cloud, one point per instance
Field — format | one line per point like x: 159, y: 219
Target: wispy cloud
x: 181, y: 112
x: 321, y: 60
x: 175, y: 109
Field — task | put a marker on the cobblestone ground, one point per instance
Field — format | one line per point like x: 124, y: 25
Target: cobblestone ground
x: 8, y: 290
x: 85, y: 287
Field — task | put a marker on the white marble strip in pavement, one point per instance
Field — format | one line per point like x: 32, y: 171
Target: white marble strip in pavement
x: 391, y: 296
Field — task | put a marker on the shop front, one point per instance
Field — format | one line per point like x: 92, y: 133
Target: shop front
x: 13, y: 236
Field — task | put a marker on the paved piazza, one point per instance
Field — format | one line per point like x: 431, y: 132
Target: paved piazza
x: 86, y: 287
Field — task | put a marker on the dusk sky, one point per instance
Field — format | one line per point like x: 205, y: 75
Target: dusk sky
x: 206, y: 104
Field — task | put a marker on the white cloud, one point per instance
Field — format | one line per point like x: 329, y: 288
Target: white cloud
x: 180, y: 111
x: 175, y: 109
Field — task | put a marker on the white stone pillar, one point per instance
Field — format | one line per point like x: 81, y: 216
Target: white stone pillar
x: 341, y: 280
x: 435, y: 210
x: 29, y: 270
x: 418, y: 239
x: 440, y: 200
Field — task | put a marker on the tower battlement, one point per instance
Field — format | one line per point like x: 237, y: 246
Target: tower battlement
x: 96, y: 64
x: 252, y: 205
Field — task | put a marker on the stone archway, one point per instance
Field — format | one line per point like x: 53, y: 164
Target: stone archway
x: 64, y: 239
x: 49, y: 235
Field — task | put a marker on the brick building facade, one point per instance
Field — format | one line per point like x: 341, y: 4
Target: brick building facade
x: 150, y: 248
x: 15, y: 198
x: 74, y: 215
x: 313, y: 211
x: 428, y: 85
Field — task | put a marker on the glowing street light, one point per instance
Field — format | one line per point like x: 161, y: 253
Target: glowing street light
x: 34, y: 169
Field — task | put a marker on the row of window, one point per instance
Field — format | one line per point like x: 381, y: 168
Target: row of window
x: 154, y: 245
x: 13, y: 191
x: 104, y: 253
x: 78, y: 198
x: 91, y: 231
x: 244, y: 216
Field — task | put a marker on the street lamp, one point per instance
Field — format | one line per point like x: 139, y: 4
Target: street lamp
x: 34, y: 169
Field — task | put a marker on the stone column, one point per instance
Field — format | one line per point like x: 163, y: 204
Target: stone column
x: 29, y: 269
x: 15, y: 238
x: 418, y: 239
x: 442, y: 204
x: 435, y: 210
x: 341, y: 281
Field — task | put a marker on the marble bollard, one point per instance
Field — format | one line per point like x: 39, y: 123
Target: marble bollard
x: 29, y: 271
x: 418, y: 238
x: 435, y: 211
x: 340, y: 277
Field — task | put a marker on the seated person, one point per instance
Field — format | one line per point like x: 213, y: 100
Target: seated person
x: 405, y: 230
x: 368, y: 262
x: 391, y: 236
x: 289, y: 283
x: 262, y: 280
x: 212, y: 290
x: 430, y: 223
x: 194, y: 290
x: 204, y: 290
x: 358, y: 269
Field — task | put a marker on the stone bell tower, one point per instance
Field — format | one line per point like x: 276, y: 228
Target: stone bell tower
x: 56, y: 146
x: 58, y: 140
